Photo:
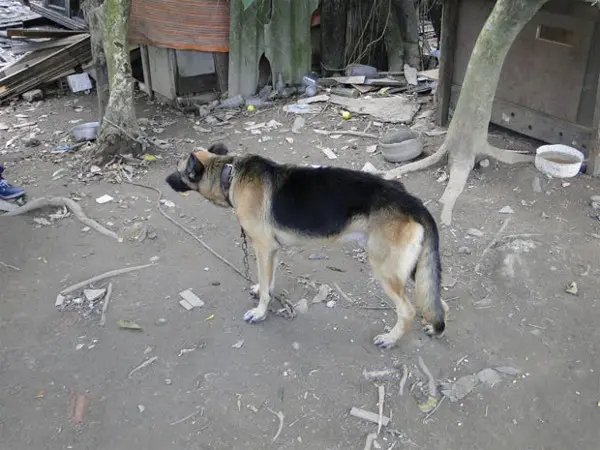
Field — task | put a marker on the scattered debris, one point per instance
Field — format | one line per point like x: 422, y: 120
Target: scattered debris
x: 381, y: 399
x: 403, y: 379
x: 33, y: 95
x: 475, y: 232
x: 8, y: 266
x: 431, y: 383
x: 506, y: 210
x: 105, y: 305
x: 141, y: 408
x: 328, y: 152
x: 317, y: 256
x: 281, y: 418
x: 190, y: 300
x: 370, y: 168
x: 91, y: 295
x: 369, y: 416
x: 343, y: 294
x: 302, y: 306
x: 78, y: 405
x: 128, y: 325
x: 238, y: 344
x: 572, y: 288
x: 370, y: 440
x: 386, y: 109
x: 321, y: 296
x: 143, y: 365
x: 195, y: 413
x: 410, y: 73
x: 314, y: 99
x: 331, y: 304
x: 345, y: 133
x: 299, y: 123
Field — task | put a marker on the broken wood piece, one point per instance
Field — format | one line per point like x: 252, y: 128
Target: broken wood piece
x: 346, y: 132
x: 345, y: 92
x: 403, y: 379
x: 75, y: 208
x: 78, y: 405
x: 31, y: 33
x: 370, y: 439
x: 105, y: 306
x: 112, y: 273
x: 343, y: 294
x: 369, y: 416
x: 332, y: 81
x: 315, y: 99
x: 192, y: 299
x: 433, y: 74
x: 381, y: 395
x: 8, y: 266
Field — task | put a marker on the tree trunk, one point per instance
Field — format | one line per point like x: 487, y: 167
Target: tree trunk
x: 119, y: 130
x: 333, y: 35
x: 394, y: 41
x: 468, y: 132
x: 409, y: 22
x: 93, y: 13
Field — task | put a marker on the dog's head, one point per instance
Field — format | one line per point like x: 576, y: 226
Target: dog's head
x: 201, y: 172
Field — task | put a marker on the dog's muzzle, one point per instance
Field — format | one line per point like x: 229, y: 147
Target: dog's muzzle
x: 174, y: 180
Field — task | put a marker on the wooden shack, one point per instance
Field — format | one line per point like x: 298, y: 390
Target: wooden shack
x: 549, y: 86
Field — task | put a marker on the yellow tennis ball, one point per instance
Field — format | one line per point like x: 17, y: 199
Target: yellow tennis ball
x: 346, y: 115
x: 251, y: 108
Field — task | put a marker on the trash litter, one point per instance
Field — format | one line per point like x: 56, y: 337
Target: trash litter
x: 191, y: 299
x: 321, y: 296
x: 104, y: 199
x: 129, y: 325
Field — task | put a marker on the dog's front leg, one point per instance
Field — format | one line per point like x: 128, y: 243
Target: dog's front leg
x: 265, y: 259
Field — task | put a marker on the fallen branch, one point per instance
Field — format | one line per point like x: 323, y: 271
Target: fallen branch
x: 434, y: 409
x: 490, y: 245
x: 112, y: 273
x: 348, y: 133
x: 189, y: 416
x: 142, y: 366
x: 368, y: 416
x: 370, y: 439
x: 8, y: 266
x: 281, y: 418
x: 73, y: 206
x: 105, y: 306
x: 432, y: 386
x: 187, y: 231
x: 403, y: 379
x: 381, y: 395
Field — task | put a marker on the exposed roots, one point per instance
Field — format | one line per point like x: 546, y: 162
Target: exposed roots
x: 507, y: 156
x: 459, y: 173
x: 417, y: 165
x: 75, y: 208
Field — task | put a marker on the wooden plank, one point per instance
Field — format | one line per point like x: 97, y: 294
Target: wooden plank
x: 47, y: 69
x: 536, y: 124
x: 56, y: 17
x: 36, y: 46
x: 29, y: 33
x: 332, y: 81
x: 448, y: 49
x: 146, y: 71
x: 384, y: 82
x: 433, y: 74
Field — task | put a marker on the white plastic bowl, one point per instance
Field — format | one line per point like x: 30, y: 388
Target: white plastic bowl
x: 558, y: 160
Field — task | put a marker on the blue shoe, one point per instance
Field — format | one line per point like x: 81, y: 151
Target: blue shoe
x: 8, y: 191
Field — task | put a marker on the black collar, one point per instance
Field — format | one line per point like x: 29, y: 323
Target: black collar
x: 226, y: 181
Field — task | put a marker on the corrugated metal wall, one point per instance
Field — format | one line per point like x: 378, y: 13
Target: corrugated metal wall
x: 201, y: 25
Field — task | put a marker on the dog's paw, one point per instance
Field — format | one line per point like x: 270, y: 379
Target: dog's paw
x: 384, y: 341
x: 255, y: 315
x: 254, y: 290
x: 429, y: 330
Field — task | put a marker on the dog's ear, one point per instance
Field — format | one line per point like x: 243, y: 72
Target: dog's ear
x: 218, y: 149
x: 194, y: 168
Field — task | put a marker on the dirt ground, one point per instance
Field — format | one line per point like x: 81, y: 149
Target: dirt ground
x: 209, y: 390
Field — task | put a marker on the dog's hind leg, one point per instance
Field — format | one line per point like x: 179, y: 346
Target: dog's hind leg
x: 266, y: 264
x: 393, y: 257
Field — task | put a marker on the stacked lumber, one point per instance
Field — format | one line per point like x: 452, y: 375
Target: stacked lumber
x: 51, y: 65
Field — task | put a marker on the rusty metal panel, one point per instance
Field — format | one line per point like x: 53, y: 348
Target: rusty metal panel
x: 201, y: 25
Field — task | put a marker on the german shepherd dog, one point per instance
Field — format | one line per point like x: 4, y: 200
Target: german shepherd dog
x: 281, y: 205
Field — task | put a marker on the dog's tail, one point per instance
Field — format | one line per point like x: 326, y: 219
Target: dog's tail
x: 428, y: 276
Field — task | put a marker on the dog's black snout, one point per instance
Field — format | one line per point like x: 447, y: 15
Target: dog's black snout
x: 174, y: 180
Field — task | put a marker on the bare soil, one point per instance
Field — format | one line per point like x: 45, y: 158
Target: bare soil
x: 515, y: 312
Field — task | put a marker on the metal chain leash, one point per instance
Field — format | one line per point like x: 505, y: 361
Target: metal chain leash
x: 245, y: 259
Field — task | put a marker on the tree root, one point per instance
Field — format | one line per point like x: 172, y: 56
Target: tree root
x: 73, y: 206
x: 507, y: 156
x: 459, y: 173
x: 417, y: 165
